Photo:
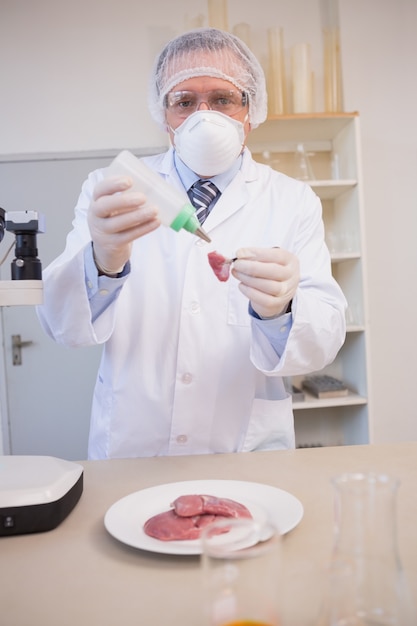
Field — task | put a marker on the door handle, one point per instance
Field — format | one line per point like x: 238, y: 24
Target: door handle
x: 17, y: 345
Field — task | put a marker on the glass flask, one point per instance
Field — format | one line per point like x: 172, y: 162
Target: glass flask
x: 302, y: 166
x: 367, y: 584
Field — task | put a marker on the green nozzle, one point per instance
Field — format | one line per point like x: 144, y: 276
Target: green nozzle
x: 188, y: 220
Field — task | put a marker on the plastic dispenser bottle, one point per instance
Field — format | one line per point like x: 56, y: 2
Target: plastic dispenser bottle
x: 174, y: 211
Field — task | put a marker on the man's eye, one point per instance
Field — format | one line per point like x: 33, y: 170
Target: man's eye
x: 184, y: 104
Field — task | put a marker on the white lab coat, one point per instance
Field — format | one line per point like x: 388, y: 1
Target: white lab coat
x: 185, y: 369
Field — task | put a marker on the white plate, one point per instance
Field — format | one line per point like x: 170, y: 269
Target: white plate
x: 124, y: 520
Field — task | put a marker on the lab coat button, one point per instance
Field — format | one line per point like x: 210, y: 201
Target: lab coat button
x: 187, y: 378
x: 182, y: 439
x: 195, y: 307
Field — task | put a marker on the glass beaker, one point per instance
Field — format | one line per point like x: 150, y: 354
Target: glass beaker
x: 217, y: 14
x: 241, y: 567
x: 276, y: 72
x: 333, y: 89
x: 301, y: 78
x: 243, y: 31
x: 367, y: 585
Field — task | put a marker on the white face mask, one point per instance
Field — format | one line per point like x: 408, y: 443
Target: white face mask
x: 209, y: 142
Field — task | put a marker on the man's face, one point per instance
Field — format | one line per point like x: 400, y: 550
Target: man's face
x: 202, y: 88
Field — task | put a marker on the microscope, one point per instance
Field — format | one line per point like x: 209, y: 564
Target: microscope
x: 36, y: 492
x: 25, y: 286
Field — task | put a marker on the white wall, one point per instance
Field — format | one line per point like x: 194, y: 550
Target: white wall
x: 380, y: 54
x: 76, y: 73
x: 74, y: 78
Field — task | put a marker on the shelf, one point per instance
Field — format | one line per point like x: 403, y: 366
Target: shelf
x: 310, y: 402
x: 299, y: 127
x: 355, y: 328
x: 331, y: 141
x: 315, y: 116
x: 331, y: 189
x: 340, y: 257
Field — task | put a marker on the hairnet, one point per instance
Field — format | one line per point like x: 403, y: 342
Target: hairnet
x: 208, y: 52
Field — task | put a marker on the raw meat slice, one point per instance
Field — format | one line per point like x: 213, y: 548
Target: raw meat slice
x: 186, y: 506
x: 168, y: 526
x: 190, y: 514
x: 189, y: 505
x: 220, y: 265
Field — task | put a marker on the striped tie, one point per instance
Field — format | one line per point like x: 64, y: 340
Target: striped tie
x: 202, y: 194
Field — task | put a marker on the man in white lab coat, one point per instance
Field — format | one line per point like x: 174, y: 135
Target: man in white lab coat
x: 192, y: 365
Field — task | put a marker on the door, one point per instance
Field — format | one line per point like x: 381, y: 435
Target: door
x: 45, y: 402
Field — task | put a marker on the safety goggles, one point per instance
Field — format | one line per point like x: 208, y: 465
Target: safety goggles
x: 227, y: 101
